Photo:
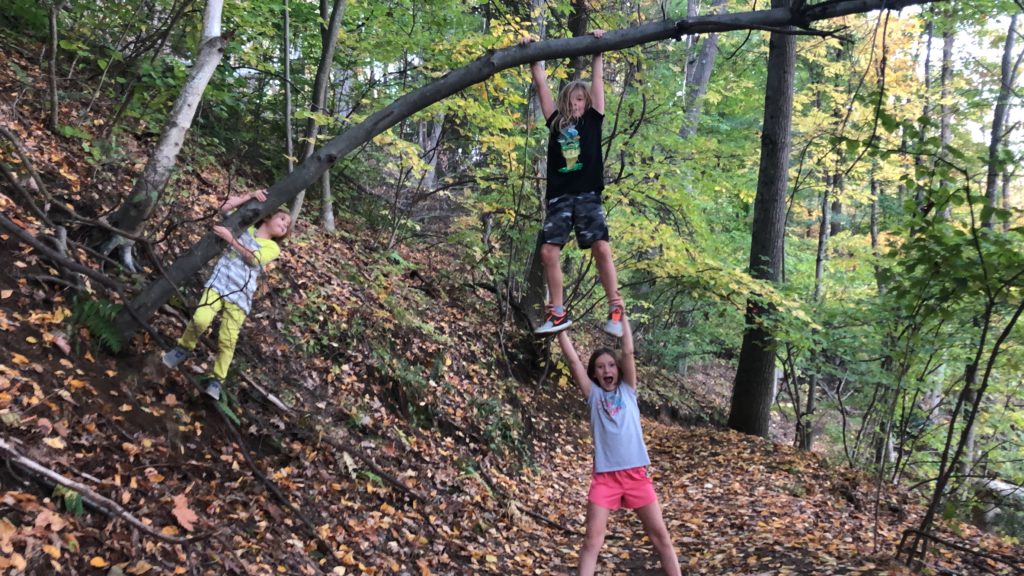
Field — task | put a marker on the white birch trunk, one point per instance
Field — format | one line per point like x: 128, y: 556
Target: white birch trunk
x: 142, y: 201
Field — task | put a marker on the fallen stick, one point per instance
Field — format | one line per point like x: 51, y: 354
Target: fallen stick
x: 97, y: 501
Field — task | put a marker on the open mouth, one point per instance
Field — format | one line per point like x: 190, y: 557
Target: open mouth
x: 608, y: 380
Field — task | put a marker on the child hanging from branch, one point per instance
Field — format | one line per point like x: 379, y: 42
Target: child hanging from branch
x: 231, y: 287
x: 575, y: 179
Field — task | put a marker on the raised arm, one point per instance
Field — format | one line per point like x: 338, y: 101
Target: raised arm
x: 597, y: 78
x: 540, y: 80
x: 576, y: 367
x: 628, y: 366
x: 235, y: 201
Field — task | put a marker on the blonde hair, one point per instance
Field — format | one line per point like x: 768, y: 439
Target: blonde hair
x: 564, y: 103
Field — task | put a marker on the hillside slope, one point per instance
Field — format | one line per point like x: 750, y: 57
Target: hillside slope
x: 390, y: 421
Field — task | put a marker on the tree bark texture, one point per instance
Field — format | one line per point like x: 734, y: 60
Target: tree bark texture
x: 875, y: 194
x: 329, y: 39
x: 753, y: 390
x: 145, y: 194
x: 1006, y: 79
x: 53, y: 12
x: 927, y: 108
x: 492, y: 62
x: 286, y: 58
x: 824, y: 232
x: 578, y: 27
x: 699, y: 76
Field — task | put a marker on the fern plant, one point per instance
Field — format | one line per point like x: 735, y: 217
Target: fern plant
x: 97, y: 316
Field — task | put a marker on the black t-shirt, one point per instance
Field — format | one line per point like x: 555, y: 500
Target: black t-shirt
x: 575, y: 165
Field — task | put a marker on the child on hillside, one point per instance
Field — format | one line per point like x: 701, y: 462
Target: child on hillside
x: 620, y: 456
x: 575, y: 179
x: 231, y: 287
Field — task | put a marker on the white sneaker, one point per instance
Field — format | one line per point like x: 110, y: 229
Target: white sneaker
x: 175, y: 356
x: 213, y: 388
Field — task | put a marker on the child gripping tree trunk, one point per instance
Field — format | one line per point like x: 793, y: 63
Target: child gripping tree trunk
x: 231, y: 287
x: 575, y: 180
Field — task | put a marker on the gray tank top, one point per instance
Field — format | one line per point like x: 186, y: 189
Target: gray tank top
x: 615, y: 427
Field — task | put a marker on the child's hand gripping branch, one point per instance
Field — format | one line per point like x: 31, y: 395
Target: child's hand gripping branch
x: 575, y: 179
x: 231, y: 287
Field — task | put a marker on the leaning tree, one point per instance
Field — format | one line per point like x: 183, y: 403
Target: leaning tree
x: 795, y: 19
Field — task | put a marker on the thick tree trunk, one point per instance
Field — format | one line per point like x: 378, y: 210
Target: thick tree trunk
x: 329, y: 41
x: 755, y: 375
x: 342, y: 109
x: 805, y: 426
x: 533, y: 297
x: 699, y: 76
x: 143, y: 199
x: 429, y: 137
x: 286, y: 189
x: 578, y: 27
x: 1006, y: 81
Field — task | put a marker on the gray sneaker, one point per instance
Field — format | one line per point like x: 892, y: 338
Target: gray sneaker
x: 614, y: 324
x: 555, y: 323
x: 175, y: 356
x: 213, y: 388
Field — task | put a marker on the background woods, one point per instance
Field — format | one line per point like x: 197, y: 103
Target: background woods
x: 815, y: 214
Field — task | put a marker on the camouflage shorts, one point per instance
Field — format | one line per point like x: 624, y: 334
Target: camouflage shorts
x: 580, y: 212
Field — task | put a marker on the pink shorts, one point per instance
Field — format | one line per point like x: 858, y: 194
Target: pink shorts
x: 630, y: 488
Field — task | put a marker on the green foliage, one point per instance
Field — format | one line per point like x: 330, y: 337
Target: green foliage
x: 28, y: 17
x: 71, y: 499
x: 312, y: 333
x: 503, y: 429
x: 97, y: 316
x: 411, y: 389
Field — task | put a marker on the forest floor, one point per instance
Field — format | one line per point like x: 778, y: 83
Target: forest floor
x: 390, y: 421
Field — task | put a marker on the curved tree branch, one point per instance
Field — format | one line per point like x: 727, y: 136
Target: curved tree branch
x: 479, y: 70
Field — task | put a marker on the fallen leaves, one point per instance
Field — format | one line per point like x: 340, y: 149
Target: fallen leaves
x: 183, y: 514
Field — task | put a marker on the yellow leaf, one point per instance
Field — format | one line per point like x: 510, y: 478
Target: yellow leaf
x: 98, y: 562
x: 55, y: 443
x: 18, y: 358
x: 52, y: 550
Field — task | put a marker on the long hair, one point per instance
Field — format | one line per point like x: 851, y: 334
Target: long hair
x: 291, y: 225
x: 593, y: 361
x: 564, y: 103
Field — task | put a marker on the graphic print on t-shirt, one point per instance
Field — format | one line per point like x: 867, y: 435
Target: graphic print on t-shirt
x: 569, y: 140
x: 612, y: 403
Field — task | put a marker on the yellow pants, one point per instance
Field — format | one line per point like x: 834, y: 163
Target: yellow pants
x: 230, y: 325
